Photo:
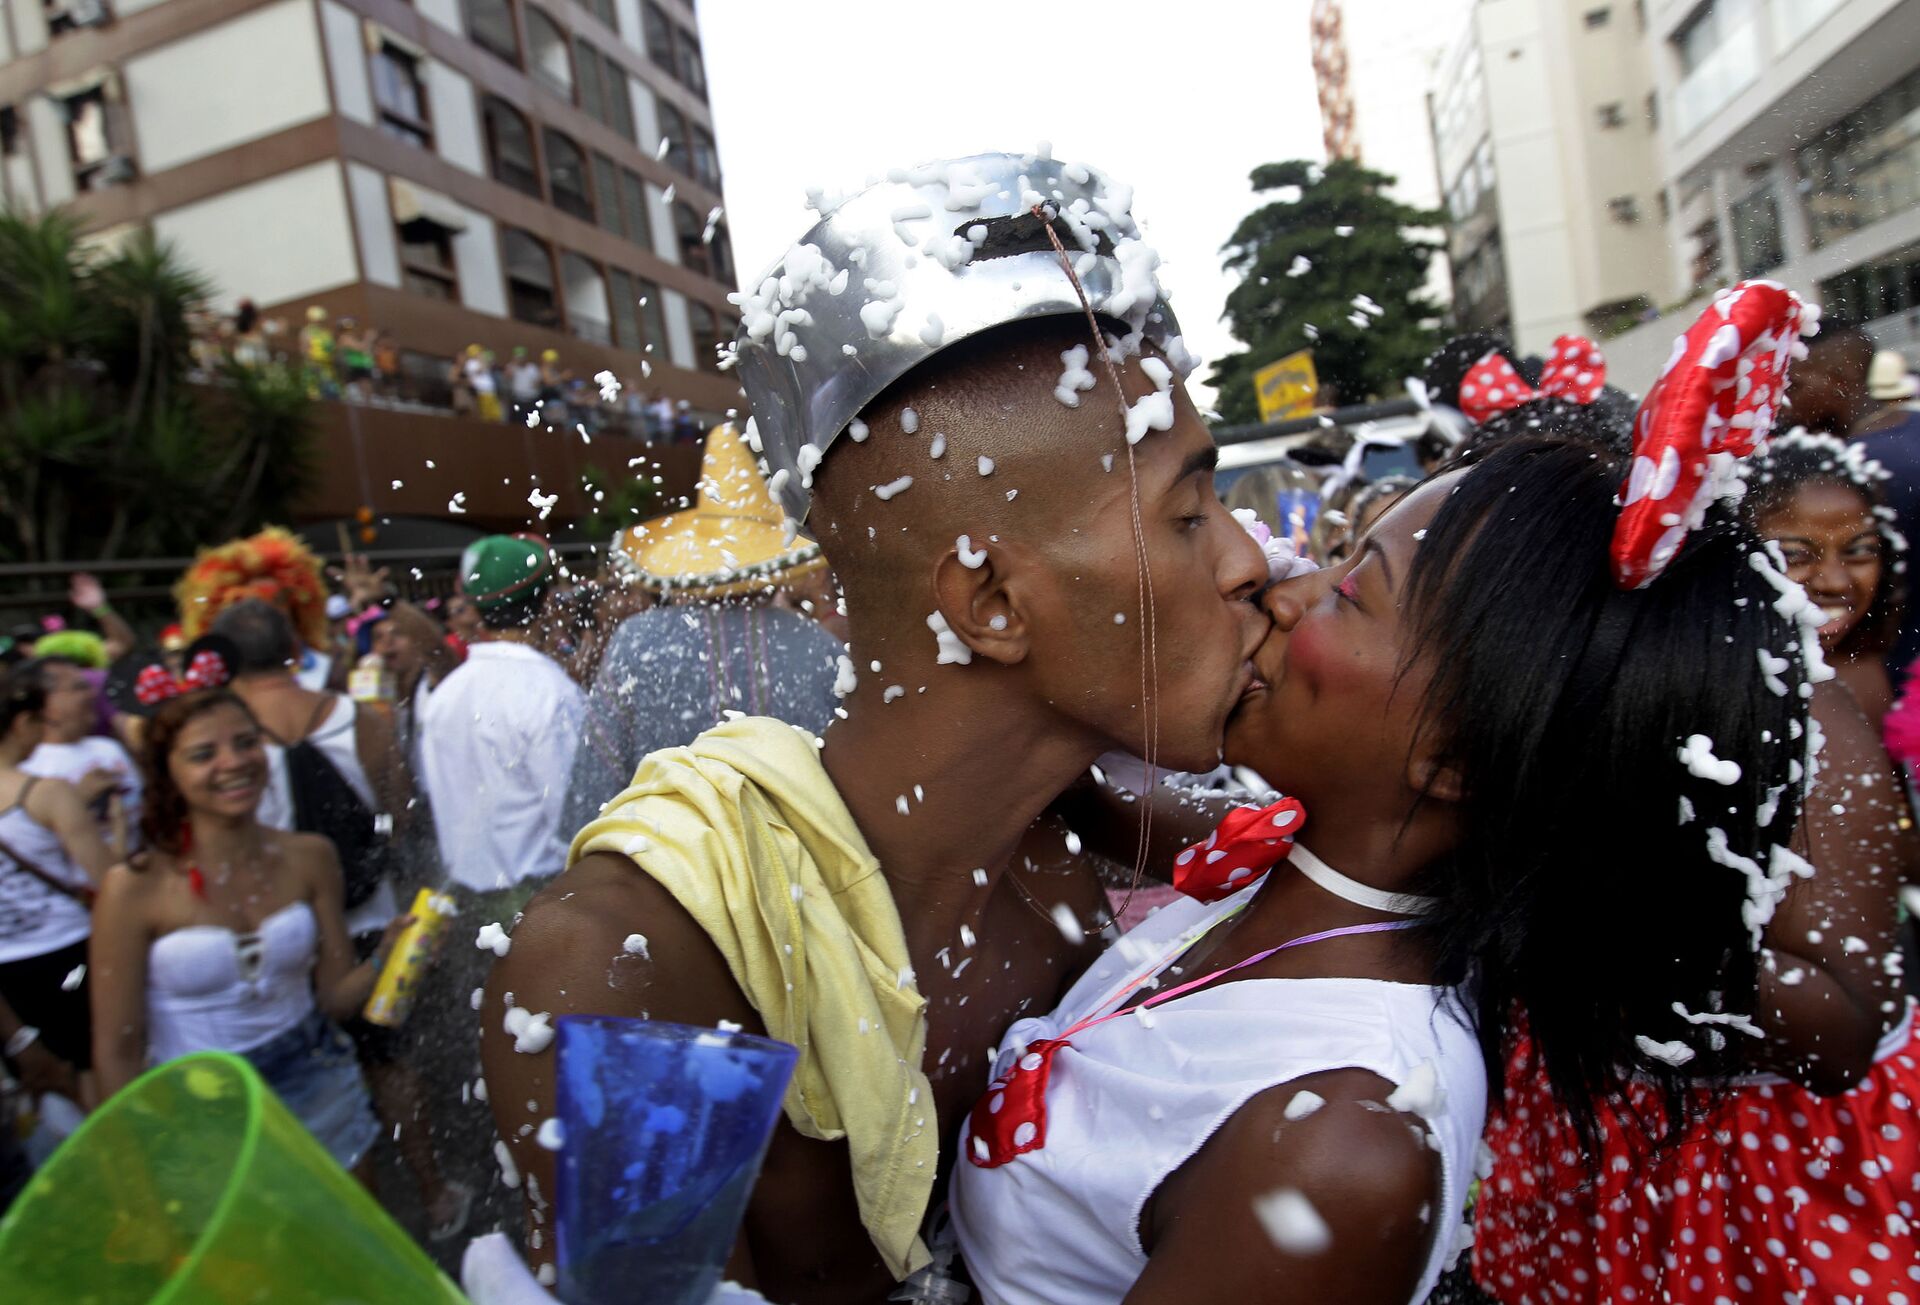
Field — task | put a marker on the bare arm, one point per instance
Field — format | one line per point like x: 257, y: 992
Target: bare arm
x: 569, y: 957
x: 340, y: 986
x: 1827, y: 992
x: 1108, y: 818
x: 1368, y: 1177
x: 56, y: 804
x: 117, y: 976
x: 88, y: 595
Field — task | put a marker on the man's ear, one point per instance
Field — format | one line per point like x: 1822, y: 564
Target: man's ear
x: 976, y: 589
x: 1435, y: 779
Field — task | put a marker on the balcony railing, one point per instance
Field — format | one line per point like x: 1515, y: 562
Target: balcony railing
x: 1729, y: 69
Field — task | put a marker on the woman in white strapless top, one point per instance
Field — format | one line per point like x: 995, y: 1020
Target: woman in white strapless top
x: 229, y: 935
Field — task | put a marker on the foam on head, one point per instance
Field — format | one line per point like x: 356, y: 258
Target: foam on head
x: 910, y: 266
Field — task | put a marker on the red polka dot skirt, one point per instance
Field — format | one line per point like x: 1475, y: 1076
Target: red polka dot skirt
x: 1779, y: 1195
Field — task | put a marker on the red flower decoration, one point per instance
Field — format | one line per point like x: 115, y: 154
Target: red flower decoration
x: 1248, y: 843
x: 1575, y: 371
x: 155, y: 684
x: 1714, y: 401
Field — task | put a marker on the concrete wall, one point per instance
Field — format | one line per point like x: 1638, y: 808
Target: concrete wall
x: 373, y: 220
x: 347, y: 61
x: 274, y: 240
x: 456, y: 117
x: 269, y: 76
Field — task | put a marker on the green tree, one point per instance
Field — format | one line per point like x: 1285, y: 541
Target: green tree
x: 618, y: 500
x: 1327, y: 264
x: 107, y: 450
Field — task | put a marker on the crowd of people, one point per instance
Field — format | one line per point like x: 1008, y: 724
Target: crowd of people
x: 339, y: 358
x: 1525, y: 840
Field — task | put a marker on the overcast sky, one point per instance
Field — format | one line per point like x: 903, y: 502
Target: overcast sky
x: 1180, y: 99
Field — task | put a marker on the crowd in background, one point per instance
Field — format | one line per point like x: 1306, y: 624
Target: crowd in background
x: 340, y: 358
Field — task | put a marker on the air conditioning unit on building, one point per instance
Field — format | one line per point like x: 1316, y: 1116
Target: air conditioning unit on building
x: 117, y: 170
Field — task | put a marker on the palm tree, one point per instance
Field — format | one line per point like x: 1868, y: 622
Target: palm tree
x: 107, y: 450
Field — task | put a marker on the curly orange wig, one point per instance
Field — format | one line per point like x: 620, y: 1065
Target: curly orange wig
x: 272, y: 565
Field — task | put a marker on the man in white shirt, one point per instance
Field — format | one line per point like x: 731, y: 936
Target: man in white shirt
x: 94, y: 763
x: 498, y: 735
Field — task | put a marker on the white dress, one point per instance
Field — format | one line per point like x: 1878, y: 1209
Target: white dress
x: 1131, y: 1100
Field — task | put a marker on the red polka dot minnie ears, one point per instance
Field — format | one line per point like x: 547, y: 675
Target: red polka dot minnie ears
x: 1574, y: 371
x: 156, y: 684
x: 1715, y: 400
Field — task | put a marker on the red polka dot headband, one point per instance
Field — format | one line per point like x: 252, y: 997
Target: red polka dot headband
x: 155, y: 684
x: 1714, y: 402
x: 1574, y: 371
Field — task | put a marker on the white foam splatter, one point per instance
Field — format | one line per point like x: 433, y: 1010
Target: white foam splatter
x: 493, y: 938
x: 893, y: 487
x: 552, y: 1135
x: 1291, y: 1221
x: 1069, y: 926
x: 909, y: 420
x: 1422, y: 1093
x: 951, y: 650
x: 636, y: 945
x: 970, y: 557
x: 1304, y: 1103
x: 846, y: 679
x: 75, y: 977
x: 984, y: 465
x: 509, y: 1172
x: 1667, y: 1053
x: 1697, y: 756
x: 1075, y: 378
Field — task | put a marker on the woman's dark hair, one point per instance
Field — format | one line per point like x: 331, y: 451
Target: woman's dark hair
x: 1799, y: 458
x: 1604, y: 871
x: 23, y: 691
x: 163, y: 818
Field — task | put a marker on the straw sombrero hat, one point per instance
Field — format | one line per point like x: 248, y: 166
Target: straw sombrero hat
x: 732, y: 541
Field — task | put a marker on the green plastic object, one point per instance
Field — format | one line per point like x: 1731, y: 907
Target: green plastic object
x: 195, y: 1186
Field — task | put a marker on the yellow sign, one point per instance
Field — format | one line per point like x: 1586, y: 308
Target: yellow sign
x: 1287, y: 388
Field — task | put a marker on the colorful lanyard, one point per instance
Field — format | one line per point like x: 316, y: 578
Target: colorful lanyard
x: 1155, y: 1000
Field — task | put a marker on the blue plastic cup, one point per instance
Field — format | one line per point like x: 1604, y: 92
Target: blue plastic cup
x: 665, y: 1128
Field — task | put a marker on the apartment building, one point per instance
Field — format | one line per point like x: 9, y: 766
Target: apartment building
x: 535, y: 173
x: 1791, y: 147
x: 1544, y: 131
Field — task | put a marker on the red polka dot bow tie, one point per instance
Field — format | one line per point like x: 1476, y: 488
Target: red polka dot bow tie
x: 1715, y: 400
x: 1574, y: 371
x: 155, y: 684
x: 1247, y: 844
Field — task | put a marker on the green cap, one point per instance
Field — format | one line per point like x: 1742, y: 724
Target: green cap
x: 504, y: 568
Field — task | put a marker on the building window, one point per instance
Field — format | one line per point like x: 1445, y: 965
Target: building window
x: 653, y: 317
x: 1624, y: 209
x: 426, y: 259
x: 720, y: 250
x: 586, y: 298
x: 530, y: 282
x: 603, y: 89
x: 657, y: 30
x: 707, y: 336
x: 9, y: 131
x: 1704, y: 265
x: 688, y: 230
x: 706, y: 159
x: 689, y: 66
x: 1755, y: 219
x: 399, y: 97
x: 567, y: 176
x: 1612, y: 115
x: 547, y: 54
x: 71, y: 15
x: 490, y: 25
x: 1719, y: 53
x: 510, y: 146
x: 1866, y: 166
x: 606, y: 193
x: 1882, y: 288
x: 673, y: 131
x: 624, y: 301
x: 1596, y: 18
x: 91, y: 136
x: 603, y: 10
x: 637, y: 224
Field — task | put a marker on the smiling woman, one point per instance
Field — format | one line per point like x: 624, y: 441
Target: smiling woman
x: 227, y: 934
x: 1818, y: 498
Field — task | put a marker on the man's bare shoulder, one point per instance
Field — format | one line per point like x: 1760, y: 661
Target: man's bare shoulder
x: 607, y: 938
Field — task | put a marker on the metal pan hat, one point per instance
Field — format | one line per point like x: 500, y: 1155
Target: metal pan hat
x: 894, y: 274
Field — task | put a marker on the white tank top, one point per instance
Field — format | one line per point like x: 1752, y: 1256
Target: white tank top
x: 35, y: 917
x: 211, y: 989
x: 1130, y: 1101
